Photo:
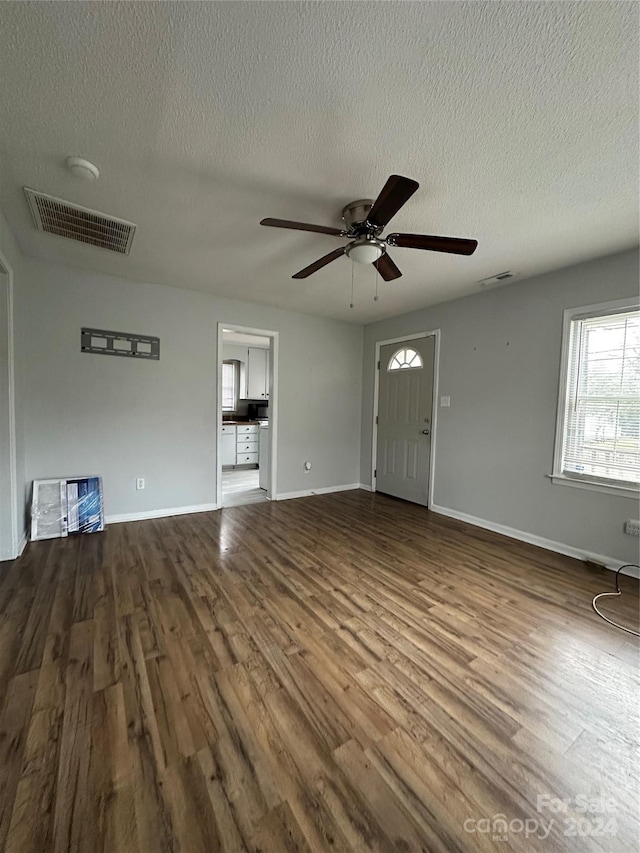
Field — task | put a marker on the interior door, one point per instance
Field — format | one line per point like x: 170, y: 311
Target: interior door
x: 405, y: 403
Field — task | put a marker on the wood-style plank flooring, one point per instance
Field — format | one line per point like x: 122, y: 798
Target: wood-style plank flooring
x: 241, y: 486
x: 337, y: 673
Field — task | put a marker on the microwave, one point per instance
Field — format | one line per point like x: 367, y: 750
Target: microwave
x: 258, y: 411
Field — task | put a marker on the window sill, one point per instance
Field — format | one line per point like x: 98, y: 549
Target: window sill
x: 620, y: 491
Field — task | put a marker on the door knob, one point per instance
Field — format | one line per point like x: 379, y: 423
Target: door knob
x: 425, y: 432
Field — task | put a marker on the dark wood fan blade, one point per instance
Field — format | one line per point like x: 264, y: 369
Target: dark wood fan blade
x: 322, y: 262
x: 303, y: 226
x: 387, y: 269
x: 396, y: 192
x: 453, y: 245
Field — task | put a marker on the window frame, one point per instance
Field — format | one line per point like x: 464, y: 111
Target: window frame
x: 406, y: 365
x: 559, y: 477
x: 235, y: 364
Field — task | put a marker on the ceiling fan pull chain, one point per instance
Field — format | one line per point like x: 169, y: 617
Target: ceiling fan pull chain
x: 351, y: 304
x: 375, y: 298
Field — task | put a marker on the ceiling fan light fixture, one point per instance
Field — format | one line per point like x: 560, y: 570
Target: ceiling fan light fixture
x: 365, y: 221
x: 365, y: 251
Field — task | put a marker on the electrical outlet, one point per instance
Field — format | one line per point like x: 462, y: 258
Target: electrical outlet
x: 445, y: 402
x: 139, y: 483
x: 632, y: 527
x: 307, y: 467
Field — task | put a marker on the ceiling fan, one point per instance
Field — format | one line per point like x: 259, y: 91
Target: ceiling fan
x: 365, y: 220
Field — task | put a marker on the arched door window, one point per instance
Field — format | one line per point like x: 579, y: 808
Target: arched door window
x: 405, y: 359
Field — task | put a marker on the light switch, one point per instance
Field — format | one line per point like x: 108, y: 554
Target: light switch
x: 445, y: 402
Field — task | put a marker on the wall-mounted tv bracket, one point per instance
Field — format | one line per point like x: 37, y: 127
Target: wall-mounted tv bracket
x: 120, y: 343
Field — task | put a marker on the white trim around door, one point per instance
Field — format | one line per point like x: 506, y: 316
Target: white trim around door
x: 12, y: 549
x: 376, y: 390
x: 273, y: 405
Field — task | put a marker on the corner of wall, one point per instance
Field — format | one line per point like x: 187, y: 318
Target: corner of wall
x: 14, y: 404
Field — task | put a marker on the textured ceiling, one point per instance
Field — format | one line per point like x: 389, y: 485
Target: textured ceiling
x: 519, y: 120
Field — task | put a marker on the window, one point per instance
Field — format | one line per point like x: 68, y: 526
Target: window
x: 230, y: 377
x: 598, y: 437
x: 405, y: 359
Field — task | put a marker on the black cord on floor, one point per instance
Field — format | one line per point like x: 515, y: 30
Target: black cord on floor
x: 617, y: 592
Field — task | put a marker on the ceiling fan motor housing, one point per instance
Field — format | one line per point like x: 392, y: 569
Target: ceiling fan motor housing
x: 354, y: 216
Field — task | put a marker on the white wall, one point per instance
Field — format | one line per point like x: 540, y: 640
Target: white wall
x: 122, y: 418
x: 12, y: 539
x: 499, y: 363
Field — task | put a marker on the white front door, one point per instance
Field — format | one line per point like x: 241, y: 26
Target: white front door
x: 405, y: 403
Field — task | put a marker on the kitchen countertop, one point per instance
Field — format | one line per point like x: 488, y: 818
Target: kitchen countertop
x: 241, y: 423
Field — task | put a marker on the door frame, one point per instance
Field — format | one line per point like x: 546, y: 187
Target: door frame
x: 14, y: 544
x: 434, y: 333
x: 273, y: 405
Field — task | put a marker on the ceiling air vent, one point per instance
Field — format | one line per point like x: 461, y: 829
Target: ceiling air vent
x: 65, y: 219
x: 495, y: 279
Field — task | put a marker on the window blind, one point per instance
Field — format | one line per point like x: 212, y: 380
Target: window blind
x: 602, y: 414
x: 229, y: 386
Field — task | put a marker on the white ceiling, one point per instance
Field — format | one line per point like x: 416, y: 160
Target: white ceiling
x: 519, y: 120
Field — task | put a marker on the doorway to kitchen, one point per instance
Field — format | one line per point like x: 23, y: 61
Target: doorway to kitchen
x: 246, y: 415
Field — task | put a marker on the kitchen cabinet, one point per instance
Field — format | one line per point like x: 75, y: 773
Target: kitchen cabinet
x: 239, y: 445
x: 247, y: 444
x: 258, y: 374
x: 228, y: 445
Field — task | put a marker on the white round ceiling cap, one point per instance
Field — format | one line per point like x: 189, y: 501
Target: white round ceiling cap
x: 83, y: 169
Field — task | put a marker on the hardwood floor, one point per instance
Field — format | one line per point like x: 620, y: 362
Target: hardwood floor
x: 342, y: 672
x: 241, y: 486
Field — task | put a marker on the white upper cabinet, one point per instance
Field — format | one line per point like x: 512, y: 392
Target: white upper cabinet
x: 258, y: 374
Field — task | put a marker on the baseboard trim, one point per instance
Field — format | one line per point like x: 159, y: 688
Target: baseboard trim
x: 14, y: 552
x: 365, y: 487
x: 323, y: 490
x: 22, y: 543
x: 159, y: 513
x: 522, y: 536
